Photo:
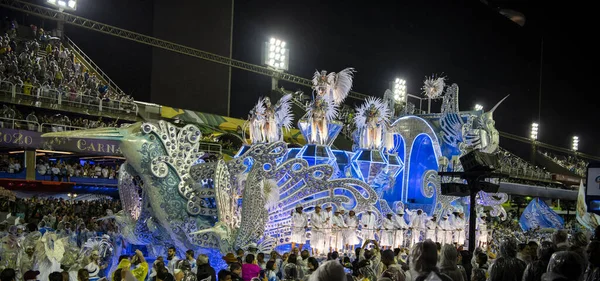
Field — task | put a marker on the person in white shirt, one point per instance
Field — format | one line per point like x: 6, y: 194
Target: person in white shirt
x: 338, y: 226
x: 318, y: 223
x: 189, y: 256
x: 350, y: 234
x: 445, y: 231
x: 401, y: 228
x: 299, y: 226
x: 368, y: 222
x: 104, y: 172
x: 387, y: 233
x: 460, y: 226
x: 417, y: 225
x: 328, y: 228
x: 431, y: 228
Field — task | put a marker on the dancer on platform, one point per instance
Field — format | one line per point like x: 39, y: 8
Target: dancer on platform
x: 350, y: 234
x: 369, y: 223
x: 401, y: 228
x: 338, y: 227
x: 299, y: 227
x: 446, y: 229
x: 387, y: 233
x: 432, y: 228
x: 318, y: 223
x: 417, y: 225
x: 328, y: 229
x: 460, y: 226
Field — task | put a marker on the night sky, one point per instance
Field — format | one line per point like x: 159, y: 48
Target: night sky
x: 469, y: 42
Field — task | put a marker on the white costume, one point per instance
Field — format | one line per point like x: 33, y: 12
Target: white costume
x: 431, y: 230
x: 445, y: 231
x: 368, y: 222
x: 350, y: 232
x: 401, y: 228
x: 338, y: 224
x: 317, y: 240
x: 387, y: 233
x: 417, y: 225
x: 299, y: 223
x: 49, y: 250
x: 460, y: 226
x: 328, y: 229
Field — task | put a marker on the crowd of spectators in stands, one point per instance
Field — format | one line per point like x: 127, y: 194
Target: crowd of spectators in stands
x: 10, y: 164
x: 52, y: 122
x: 43, y: 67
x: 569, y: 162
x: 63, y: 171
x: 62, y: 214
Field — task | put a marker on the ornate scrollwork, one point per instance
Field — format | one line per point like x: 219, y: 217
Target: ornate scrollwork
x: 431, y: 182
x: 181, y: 146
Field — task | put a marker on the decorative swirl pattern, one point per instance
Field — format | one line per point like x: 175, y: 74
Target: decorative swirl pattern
x: 431, y: 181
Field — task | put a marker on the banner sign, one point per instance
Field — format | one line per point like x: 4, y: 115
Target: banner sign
x: 33, y: 140
x: 539, y: 215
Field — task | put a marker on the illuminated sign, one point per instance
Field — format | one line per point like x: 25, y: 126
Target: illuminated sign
x: 34, y: 140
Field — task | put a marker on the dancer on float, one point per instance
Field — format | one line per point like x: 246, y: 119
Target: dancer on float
x: 328, y: 229
x: 432, y: 227
x: 338, y: 228
x: 401, y: 228
x: 318, y: 223
x: 299, y: 227
x: 482, y: 233
x: 416, y: 225
x: 351, y: 232
x: 387, y: 233
x: 369, y: 224
x: 459, y: 226
x: 331, y: 90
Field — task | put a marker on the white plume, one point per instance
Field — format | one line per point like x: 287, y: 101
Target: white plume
x: 283, y: 112
x: 341, y: 84
x: 270, y: 194
x: 433, y: 87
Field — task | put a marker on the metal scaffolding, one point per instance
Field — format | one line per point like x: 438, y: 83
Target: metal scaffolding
x: 155, y: 42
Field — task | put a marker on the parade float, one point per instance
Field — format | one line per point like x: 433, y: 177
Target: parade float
x: 170, y: 199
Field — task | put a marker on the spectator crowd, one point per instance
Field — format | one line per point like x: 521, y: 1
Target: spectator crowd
x: 46, y: 69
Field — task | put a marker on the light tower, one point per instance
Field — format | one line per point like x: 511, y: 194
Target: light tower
x: 575, y: 144
x: 62, y: 5
x: 399, y: 91
x: 534, y: 136
x: 478, y: 107
x: 276, y: 56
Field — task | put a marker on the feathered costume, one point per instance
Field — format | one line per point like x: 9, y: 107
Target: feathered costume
x: 265, y: 121
x: 50, y: 251
x: 371, y: 119
x: 331, y: 90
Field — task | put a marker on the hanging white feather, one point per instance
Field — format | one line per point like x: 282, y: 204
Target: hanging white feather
x: 270, y: 194
x: 283, y: 112
x: 433, y: 87
x: 341, y: 84
x: 316, y: 78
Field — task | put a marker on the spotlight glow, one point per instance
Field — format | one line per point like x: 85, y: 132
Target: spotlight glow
x: 275, y: 54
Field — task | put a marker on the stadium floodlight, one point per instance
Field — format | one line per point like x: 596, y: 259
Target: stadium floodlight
x: 62, y: 5
x: 399, y: 90
x: 276, y: 54
x: 575, y: 143
x: 478, y: 107
x: 534, y: 131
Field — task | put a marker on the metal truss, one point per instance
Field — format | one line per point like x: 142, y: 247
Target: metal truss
x: 155, y: 42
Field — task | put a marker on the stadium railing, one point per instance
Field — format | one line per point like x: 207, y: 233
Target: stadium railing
x: 54, y: 99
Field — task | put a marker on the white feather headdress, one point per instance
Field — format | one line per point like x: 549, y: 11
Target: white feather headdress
x: 382, y: 112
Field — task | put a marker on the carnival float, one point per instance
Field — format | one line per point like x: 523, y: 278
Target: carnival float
x: 169, y: 199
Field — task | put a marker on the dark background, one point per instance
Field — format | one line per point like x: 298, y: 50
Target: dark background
x: 469, y: 42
